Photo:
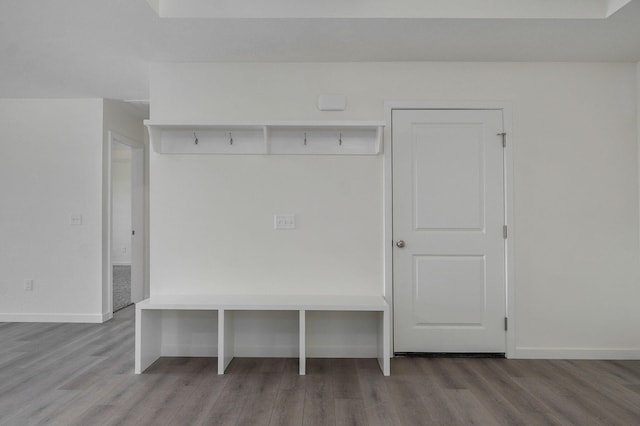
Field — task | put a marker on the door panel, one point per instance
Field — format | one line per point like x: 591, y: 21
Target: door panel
x: 439, y: 282
x: 448, y: 208
x: 448, y: 177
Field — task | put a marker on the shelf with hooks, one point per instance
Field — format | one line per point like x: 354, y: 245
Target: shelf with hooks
x: 276, y: 138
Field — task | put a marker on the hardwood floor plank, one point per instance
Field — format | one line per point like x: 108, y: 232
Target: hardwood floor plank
x: 468, y: 409
x: 261, y: 399
x: 226, y: 409
x: 378, y: 405
x: 634, y: 388
x: 555, y: 403
x: 199, y: 397
x: 37, y: 389
x: 588, y: 394
x: 407, y: 399
x: 489, y: 392
x: 529, y: 410
x: 288, y: 408
x: 346, y: 386
x: 76, y: 408
x: 319, y: 407
x: 350, y: 412
x: 189, y: 375
x: 432, y: 390
x: 140, y: 407
x: 97, y: 415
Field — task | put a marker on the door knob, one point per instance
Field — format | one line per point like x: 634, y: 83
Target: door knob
x: 400, y: 243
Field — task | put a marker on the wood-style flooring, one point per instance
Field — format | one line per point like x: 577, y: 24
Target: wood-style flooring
x: 82, y: 374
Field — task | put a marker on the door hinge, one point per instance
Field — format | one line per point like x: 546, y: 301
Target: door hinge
x: 504, y: 232
x: 506, y: 323
x: 504, y: 139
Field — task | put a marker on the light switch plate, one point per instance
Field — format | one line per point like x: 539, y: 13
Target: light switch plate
x: 75, y: 219
x: 284, y: 221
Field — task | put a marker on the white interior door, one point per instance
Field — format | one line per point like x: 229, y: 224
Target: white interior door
x: 448, y: 217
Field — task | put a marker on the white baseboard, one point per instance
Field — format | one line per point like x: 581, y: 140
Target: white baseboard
x: 121, y: 263
x: 82, y: 318
x: 107, y: 316
x: 576, y: 353
x: 271, y: 351
x: 189, y: 350
x: 342, y: 351
x: 266, y: 351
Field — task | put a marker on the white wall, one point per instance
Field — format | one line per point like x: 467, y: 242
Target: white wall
x: 53, y: 165
x: 121, y: 204
x: 212, y: 225
x: 576, y: 227
x: 50, y: 168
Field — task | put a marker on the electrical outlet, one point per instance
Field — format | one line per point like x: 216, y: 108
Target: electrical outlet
x: 284, y: 221
x: 28, y: 285
x: 75, y: 219
x: 124, y: 250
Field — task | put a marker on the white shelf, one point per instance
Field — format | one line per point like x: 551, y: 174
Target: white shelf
x: 286, y: 302
x: 274, y: 137
x: 149, y: 321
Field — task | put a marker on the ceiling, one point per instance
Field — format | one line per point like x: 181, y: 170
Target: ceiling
x: 98, y: 48
x: 523, y: 9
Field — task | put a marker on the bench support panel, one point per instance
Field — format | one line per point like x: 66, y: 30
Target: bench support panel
x: 226, y: 340
x: 303, y: 343
x: 148, y: 340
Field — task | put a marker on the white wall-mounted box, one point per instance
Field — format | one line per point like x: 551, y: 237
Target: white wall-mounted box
x: 332, y: 102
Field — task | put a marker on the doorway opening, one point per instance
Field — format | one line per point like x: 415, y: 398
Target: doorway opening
x: 126, y: 243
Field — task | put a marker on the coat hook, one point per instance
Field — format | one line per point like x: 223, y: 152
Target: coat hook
x: 340, y: 139
x: 195, y: 138
x: 305, y: 138
x: 230, y: 139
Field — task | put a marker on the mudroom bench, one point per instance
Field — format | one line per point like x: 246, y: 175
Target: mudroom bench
x: 148, y: 340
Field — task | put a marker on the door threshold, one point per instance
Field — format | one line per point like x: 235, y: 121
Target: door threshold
x: 450, y: 354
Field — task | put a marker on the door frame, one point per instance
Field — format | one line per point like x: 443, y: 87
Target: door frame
x: 137, y: 209
x: 506, y: 109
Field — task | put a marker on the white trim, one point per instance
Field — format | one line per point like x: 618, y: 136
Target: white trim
x: 510, y: 222
x: 506, y: 108
x: 388, y: 222
x: 576, y: 353
x: 280, y: 351
x: 125, y: 140
x: 107, y: 253
x: 79, y: 318
x: 342, y: 351
x: 189, y: 350
x: 266, y: 351
x: 107, y: 316
x: 121, y: 263
x: 638, y: 118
